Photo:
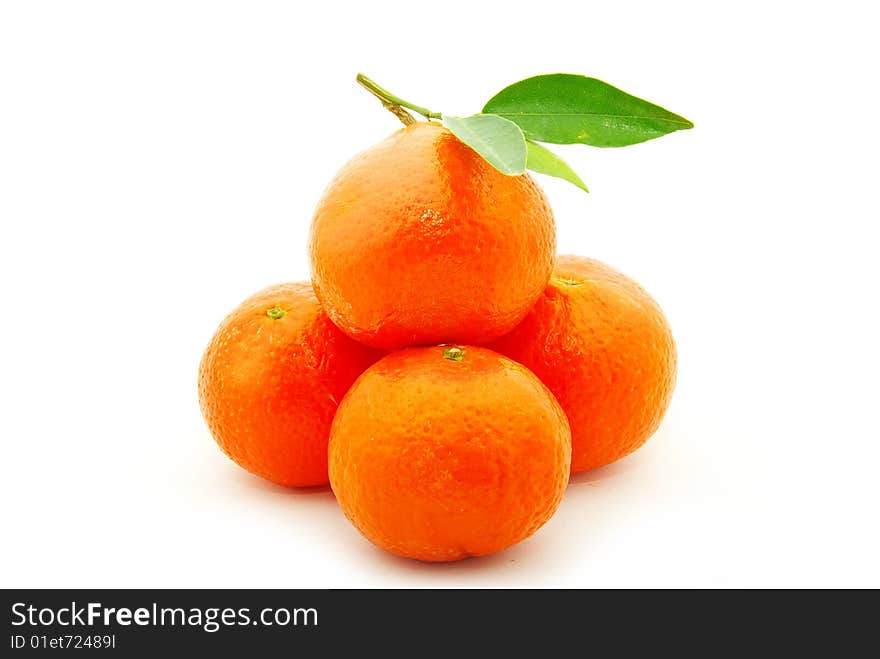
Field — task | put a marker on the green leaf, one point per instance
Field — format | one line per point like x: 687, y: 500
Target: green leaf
x: 561, y: 108
x: 546, y: 162
x: 499, y: 141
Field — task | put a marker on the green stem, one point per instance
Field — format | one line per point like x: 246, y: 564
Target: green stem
x: 394, y: 103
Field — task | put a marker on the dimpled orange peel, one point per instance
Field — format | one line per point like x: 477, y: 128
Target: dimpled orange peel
x: 446, y: 452
x: 418, y: 240
x: 270, y: 381
x: 604, y: 348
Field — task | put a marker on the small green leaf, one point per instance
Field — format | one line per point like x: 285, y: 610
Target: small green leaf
x: 499, y: 141
x: 546, y: 162
x: 562, y: 108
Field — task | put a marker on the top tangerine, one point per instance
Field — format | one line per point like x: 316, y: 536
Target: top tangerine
x: 418, y: 240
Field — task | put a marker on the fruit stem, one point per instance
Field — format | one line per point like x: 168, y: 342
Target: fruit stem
x: 275, y: 312
x: 394, y: 103
x: 567, y: 282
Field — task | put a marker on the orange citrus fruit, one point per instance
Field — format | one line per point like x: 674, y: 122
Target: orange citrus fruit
x: 418, y: 241
x: 441, y: 453
x: 270, y: 382
x: 603, y: 347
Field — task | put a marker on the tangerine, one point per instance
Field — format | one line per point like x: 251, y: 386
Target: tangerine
x: 270, y: 381
x: 418, y: 240
x: 441, y: 453
x: 603, y: 347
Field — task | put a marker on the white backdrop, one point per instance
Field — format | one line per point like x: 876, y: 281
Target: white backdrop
x: 159, y: 161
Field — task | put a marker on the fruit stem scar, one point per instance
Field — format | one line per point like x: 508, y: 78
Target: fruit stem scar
x: 567, y: 282
x: 394, y: 103
x: 275, y: 312
x: 453, y: 354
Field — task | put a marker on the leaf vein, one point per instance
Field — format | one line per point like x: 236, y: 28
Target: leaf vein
x: 684, y: 122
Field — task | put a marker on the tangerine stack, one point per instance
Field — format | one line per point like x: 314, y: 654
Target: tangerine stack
x: 445, y: 371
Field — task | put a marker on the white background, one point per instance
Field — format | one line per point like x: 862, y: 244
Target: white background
x: 159, y: 161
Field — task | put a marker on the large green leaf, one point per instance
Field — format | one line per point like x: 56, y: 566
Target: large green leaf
x: 499, y: 141
x: 546, y: 162
x: 561, y: 108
